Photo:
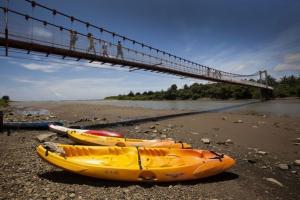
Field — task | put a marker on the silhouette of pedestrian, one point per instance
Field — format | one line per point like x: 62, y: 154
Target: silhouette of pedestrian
x: 73, y: 39
x: 119, y: 50
x: 105, y: 49
x: 91, y: 43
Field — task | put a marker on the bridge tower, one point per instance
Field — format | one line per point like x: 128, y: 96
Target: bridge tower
x: 264, y: 94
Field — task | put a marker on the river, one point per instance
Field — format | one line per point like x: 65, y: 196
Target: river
x: 281, y: 107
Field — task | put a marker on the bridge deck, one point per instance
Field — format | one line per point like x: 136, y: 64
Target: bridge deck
x: 29, y: 46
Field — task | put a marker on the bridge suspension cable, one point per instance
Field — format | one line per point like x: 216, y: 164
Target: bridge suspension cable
x: 72, y: 43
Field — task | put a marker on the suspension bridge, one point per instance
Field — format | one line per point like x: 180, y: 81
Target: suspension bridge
x: 51, y: 32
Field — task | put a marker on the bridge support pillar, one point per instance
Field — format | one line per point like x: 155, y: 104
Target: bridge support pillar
x: 264, y: 93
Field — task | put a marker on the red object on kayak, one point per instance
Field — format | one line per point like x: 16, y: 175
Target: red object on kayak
x: 104, y: 133
x: 63, y: 130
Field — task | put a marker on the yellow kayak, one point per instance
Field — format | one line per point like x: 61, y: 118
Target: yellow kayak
x: 88, y: 139
x: 135, y: 163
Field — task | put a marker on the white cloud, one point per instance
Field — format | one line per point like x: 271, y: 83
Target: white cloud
x: 49, y: 65
x: 255, y: 58
x: 291, y: 62
x: 40, y: 67
x: 292, y: 58
x: 287, y: 67
x: 41, y: 32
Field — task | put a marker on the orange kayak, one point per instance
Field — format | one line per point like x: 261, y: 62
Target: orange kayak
x: 88, y: 139
x: 135, y: 163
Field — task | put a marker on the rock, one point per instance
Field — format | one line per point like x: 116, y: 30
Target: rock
x: 153, y: 135
x: 297, y: 162
x: 264, y: 167
x: 146, y: 131
x: 154, y: 131
x: 163, y: 136
x: 283, y: 166
x: 157, y: 123
x: 224, y: 118
x: 152, y: 127
x: 45, y: 137
x: 221, y: 143
x: 296, y: 143
x: 72, y: 195
x: 252, y: 161
x: 272, y: 180
x: 165, y: 130
x: 194, y: 133
x: 263, y: 153
x: 254, y: 126
x: 294, y: 172
x: 205, y: 140
x: 54, y: 148
x: 136, y: 128
x: 228, y: 141
x: 238, y: 121
x: 297, y: 140
x: 170, y: 126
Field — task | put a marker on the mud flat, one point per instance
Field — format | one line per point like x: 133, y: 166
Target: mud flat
x: 264, y: 146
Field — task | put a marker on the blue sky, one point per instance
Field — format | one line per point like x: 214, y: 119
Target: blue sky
x: 239, y: 36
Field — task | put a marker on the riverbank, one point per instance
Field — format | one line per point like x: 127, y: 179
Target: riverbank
x: 258, y: 141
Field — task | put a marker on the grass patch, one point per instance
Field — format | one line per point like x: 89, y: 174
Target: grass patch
x: 3, y: 103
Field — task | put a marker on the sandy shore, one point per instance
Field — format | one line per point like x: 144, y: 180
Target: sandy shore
x: 25, y: 176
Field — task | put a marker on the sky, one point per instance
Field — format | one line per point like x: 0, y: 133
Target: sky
x: 239, y: 36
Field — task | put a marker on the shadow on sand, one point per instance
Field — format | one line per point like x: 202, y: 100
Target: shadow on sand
x: 69, y: 178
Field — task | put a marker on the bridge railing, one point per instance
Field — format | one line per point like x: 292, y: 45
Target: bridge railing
x: 24, y: 27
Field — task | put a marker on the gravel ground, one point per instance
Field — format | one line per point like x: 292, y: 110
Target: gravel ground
x: 25, y: 176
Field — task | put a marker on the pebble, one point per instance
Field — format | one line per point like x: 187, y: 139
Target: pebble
x: 45, y: 137
x: 283, y: 166
x: 297, y: 162
x: 238, y: 121
x: 224, y: 118
x: 72, y: 195
x: 221, y: 143
x: 136, y: 128
x: 228, y: 141
x: 297, y: 140
x: 262, y: 153
x: 294, y: 172
x: 252, y: 161
x: 170, y: 126
x: 153, y: 135
x: 163, y: 136
x: 254, y: 126
x: 272, y: 180
x: 194, y: 133
x: 152, y: 127
x: 154, y: 131
x: 205, y: 140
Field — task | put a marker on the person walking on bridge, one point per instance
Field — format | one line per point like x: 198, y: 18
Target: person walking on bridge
x: 120, y: 50
x: 73, y: 39
x: 91, y: 43
x: 105, y: 49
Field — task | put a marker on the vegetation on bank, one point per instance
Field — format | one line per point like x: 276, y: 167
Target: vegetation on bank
x: 285, y: 87
x: 4, y: 101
